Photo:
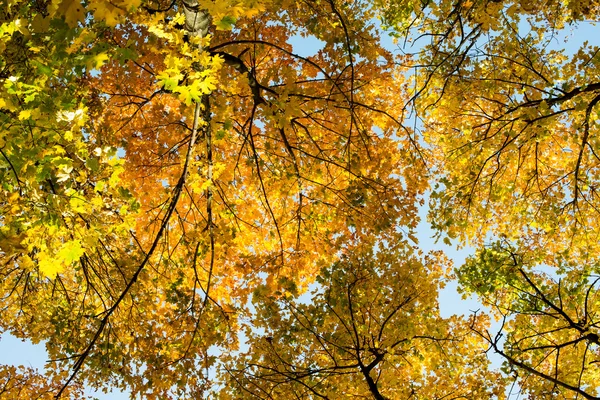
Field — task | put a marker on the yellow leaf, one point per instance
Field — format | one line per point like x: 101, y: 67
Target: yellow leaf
x: 111, y: 18
x: 78, y: 204
x: 72, y: 10
x: 49, y: 267
x: 25, y: 114
x: 71, y: 251
x: 97, y: 61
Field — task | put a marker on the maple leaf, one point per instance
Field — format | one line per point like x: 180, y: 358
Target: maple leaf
x: 96, y: 61
x: 72, y: 11
x: 226, y: 23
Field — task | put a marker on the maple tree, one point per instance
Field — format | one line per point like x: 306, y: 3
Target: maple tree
x: 26, y: 383
x: 160, y: 166
x: 371, y: 329
x: 174, y: 177
x: 511, y: 116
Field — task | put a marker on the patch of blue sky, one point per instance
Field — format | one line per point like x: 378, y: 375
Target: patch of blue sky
x: 305, y: 44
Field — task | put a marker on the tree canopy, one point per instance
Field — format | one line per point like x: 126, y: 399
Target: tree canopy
x: 190, y: 208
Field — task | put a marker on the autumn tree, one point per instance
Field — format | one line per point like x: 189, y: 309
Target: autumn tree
x: 549, y: 320
x: 26, y: 383
x: 511, y: 117
x: 162, y: 161
x: 371, y: 329
x: 174, y: 177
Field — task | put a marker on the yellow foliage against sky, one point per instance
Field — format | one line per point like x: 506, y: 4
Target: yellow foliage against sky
x: 189, y: 208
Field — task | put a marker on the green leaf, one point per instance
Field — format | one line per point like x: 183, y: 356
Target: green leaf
x: 226, y: 23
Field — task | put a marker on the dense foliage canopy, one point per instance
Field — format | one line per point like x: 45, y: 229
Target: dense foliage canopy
x: 189, y: 208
